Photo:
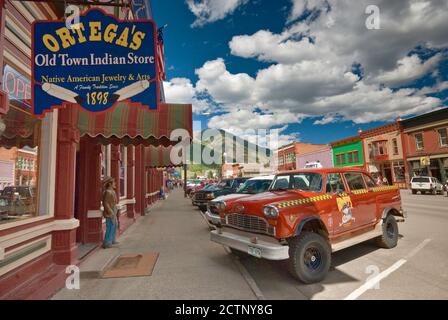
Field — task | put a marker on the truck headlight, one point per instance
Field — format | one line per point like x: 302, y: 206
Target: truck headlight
x: 270, y: 211
x: 210, y: 195
x: 221, y: 205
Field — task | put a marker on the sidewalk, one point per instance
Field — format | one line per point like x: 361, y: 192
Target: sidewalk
x: 189, y: 266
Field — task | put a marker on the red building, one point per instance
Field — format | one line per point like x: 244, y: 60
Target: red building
x: 383, y: 153
x: 425, y: 144
x: 73, y: 151
x: 287, y: 155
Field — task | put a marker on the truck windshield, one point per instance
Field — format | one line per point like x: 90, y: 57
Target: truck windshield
x: 420, y: 179
x: 304, y: 181
x: 254, y: 186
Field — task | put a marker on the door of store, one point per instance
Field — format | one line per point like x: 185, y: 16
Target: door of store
x: 388, y: 173
x: 84, y: 247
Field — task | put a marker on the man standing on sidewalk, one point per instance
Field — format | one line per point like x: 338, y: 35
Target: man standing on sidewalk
x: 110, y: 211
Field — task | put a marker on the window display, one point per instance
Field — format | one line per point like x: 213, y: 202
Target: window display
x: 19, y: 154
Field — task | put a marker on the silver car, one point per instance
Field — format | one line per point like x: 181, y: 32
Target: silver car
x: 248, y: 188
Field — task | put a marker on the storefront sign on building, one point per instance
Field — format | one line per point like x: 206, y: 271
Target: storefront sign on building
x: 17, y: 87
x: 424, y: 161
x: 96, y: 63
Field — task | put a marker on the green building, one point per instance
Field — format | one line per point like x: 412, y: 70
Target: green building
x: 348, y: 152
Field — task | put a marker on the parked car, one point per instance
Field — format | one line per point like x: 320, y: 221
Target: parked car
x: 250, y: 187
x: 192, y: 184
x: 17, y: 200
x: 226, y: 186
x: 306, y: 215
x: 426, y: 184
x: 445, y: 187
x: 194, y: 188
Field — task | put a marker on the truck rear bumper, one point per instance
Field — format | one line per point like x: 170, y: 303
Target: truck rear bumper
x: 268, y: 248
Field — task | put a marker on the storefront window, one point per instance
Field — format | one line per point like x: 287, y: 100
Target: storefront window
x: 123, y: 171
x: 443, y: 137
x: 395, y: 146
x: 340, y: 159
x: 419, y: 141
x: 104, y: 161
x: 281, y: 160
x: 399, y: 170
x: 290, y: 157
x: 19, y: 154
x: 378, y: 148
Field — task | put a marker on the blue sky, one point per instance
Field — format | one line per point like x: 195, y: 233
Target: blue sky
x: 270, y: 64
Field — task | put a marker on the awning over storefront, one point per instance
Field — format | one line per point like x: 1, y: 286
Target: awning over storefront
x: 133, y: 124
x: 160, y: 157
x: 21, y: 129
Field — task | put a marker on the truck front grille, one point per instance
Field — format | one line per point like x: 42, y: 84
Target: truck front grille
x: 249, y: 223
x: 199, y: 196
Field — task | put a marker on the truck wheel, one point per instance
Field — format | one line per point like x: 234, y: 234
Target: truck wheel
x: 309, y: 257
x: 389, y: 238
x: 414, y: 191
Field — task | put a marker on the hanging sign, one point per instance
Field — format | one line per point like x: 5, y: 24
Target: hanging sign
x: 96, y: 63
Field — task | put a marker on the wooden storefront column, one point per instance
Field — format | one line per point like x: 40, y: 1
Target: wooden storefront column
x: 115, y: 158
x: 130, y: 195
x: 64, y: 241
x: 4, y: 103
x: 153, y: 185
x: 146, y: 187
x: 140, y: 180
x: 89, y: 191
x: 2, y: 37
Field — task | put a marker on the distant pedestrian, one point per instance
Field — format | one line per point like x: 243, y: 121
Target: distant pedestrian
x: 379, y: 181
x: 110, y: 212
x: 162, y: 193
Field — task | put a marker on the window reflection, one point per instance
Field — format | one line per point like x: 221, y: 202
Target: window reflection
x: 19, y: 153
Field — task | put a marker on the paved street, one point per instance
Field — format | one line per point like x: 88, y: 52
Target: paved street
x: 424, y: 275
x: 190, y: 266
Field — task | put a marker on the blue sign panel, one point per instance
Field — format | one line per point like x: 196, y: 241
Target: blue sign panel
x: 141, y: 9
x: 96, y: 63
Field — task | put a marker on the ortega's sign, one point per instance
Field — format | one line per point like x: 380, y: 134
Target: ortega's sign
x: 96, y: 63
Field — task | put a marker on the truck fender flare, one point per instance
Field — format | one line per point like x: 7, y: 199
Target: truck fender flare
x: 304, y: 221
x: 392, y: 211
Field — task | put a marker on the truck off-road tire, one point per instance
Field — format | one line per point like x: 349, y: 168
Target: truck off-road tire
x: 389, y: 238
x: 309, y: 257
x: 414, y: 191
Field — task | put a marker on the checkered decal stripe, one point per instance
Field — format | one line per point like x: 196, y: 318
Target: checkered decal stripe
x: 360, y: 191
x: 291, y: 203
x: 385, y: 188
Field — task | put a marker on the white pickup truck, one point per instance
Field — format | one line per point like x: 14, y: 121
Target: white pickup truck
x: 426, y: 184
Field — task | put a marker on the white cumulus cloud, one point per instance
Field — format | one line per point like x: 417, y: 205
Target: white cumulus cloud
x: 207, y: 11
